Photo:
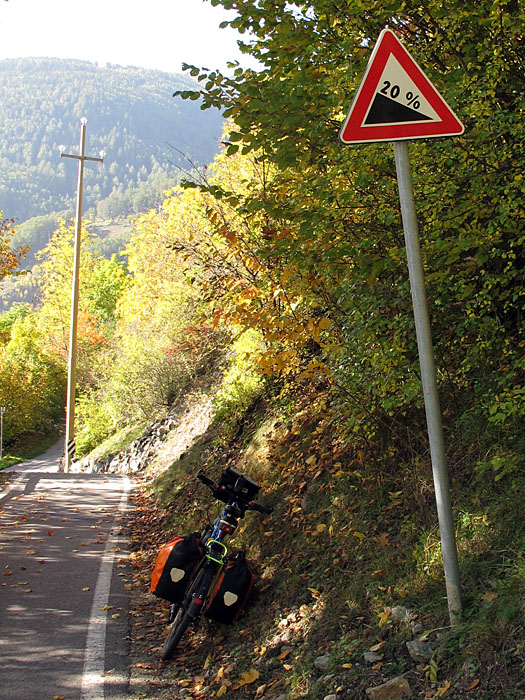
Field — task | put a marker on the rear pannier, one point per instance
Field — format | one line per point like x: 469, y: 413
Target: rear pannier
x: 174, y: 568
x: 232, y: 590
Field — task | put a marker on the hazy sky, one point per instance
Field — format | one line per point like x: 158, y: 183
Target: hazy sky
x: 160, y: 34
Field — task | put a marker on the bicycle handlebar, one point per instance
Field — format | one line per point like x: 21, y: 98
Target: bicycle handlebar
x: 213, y: 486
x: 206, y: 480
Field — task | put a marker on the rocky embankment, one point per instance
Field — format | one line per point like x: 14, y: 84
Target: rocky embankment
x: 169, y: 437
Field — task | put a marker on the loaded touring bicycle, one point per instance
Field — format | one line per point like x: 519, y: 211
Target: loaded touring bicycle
x: 197, y: 574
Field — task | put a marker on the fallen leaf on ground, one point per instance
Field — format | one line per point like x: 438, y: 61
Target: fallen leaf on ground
x: 383, y: 617
x: 473, y: 685
x: 441, y: 691
x: 382, y: 540
x: 249, y: 677
x: 160, y: 684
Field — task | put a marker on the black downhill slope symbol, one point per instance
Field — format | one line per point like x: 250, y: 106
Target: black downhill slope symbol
x: 387, y: 111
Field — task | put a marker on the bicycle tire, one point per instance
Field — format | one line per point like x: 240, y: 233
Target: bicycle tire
x: 178, y: 627
x: 185, y: 615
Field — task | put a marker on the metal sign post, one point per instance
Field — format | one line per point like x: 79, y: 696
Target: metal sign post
x: 396, y: 102
x: 428, y: 379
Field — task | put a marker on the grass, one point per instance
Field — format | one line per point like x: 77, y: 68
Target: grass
x: 29, y: 445
x: 351, y: 537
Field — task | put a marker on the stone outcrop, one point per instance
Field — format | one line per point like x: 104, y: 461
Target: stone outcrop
x: 180, y: 430
x: 137, y: 456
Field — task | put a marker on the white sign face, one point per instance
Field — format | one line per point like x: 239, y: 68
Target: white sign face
x: 397, y: 99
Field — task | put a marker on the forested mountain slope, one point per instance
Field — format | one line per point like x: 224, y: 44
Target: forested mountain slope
x: 131, y: 114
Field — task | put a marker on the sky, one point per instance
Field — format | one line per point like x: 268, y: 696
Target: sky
x: 158, y: 34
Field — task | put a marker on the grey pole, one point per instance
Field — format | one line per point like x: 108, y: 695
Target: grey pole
x: 428, y: 377
x: 72, y: 362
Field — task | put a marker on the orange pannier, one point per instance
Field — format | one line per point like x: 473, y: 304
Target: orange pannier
x: 175, y: 566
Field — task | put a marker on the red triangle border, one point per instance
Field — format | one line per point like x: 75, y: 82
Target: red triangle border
x: 353, y: 130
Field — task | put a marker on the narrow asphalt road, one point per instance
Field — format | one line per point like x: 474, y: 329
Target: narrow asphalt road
x: 63, y: 584
x: 47, y: 462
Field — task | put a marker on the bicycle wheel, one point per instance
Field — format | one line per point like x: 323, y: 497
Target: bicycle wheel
x: 177, y: 629
x: 188, y: 612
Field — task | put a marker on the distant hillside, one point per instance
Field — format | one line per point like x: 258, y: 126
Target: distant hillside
x: 131, y: 115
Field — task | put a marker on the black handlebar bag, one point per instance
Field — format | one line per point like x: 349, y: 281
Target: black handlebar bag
x: 232, y: 590
x: 174, y: 567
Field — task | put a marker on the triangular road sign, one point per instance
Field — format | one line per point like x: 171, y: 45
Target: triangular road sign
x: 396, y: 101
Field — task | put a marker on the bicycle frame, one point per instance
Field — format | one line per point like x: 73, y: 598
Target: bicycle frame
x: 216, y: 551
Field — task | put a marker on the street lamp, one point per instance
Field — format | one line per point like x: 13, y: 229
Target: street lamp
x: 70, y: 447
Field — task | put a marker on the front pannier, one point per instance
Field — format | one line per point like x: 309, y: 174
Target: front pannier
x: 232, y: 590
x: 175, y: 566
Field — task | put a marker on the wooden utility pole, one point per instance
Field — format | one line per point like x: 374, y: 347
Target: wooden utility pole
x: 70, y: 447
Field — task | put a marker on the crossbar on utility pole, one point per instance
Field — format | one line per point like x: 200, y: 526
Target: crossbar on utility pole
x: 69, y: 451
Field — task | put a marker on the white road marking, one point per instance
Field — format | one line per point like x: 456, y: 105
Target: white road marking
x: 94, y: 658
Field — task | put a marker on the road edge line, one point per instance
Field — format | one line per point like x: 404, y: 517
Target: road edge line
x: 92, y: 687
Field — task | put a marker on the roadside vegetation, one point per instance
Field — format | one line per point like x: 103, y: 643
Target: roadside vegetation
x: 348, y: 566
x: 279, y: 278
